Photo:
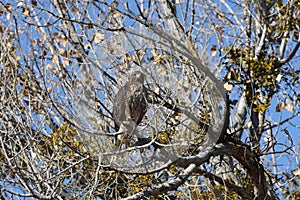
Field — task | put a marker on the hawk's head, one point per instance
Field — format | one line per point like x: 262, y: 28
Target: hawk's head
x: 138, y: 76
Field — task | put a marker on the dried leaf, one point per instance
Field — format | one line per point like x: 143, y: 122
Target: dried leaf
x: 219, y: 16
x: 287, y: 107
x: 44, y: 36
x: 89, y: 26
x: 25, y: 12
x: 153, y: 53
x: 278, y: 78
x: 55, y: 59
x: 162, y: 71
x: 296, y: 172
x: 228, y: 75
x: 63, y: 41
x: 132, y: 58
x: 115, y: 14
x: 267, y: 139
x: 20, y: 3
x: 278, y: 108
x: 234, y: 102
x: 62, y: 75
x: 213, y: 50
x: 141, y: 53
x: 145, y: 11
x: 48, y: 66
x: 8, y: 17
x: 8, y: 6
x: 75, y: 10
x: 99, y: 37
x: 34, y: 2
x: 114, y: 4
x: 156, y: 90
x: 17, y: 57
x: 66, y: 61
x: 228, y: 86
x: 179, y: 83
x: 62, y: 52
x: 176, y: 114
x: 55, y: 34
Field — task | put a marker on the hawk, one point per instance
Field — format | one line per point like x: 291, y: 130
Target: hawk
x: 130, y: 107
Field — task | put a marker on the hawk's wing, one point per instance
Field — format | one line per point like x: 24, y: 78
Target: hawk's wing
x: 119, y: 108
x: 138, y: 104
x: 130, y: 105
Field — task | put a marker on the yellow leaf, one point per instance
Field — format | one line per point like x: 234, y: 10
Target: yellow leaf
x: 262, y: 107
x: 173, y: 169
x: 76, y: 144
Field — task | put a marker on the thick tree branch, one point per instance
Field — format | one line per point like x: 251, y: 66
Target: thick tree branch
x: 241, y: 191
x: 164, y: 187
x: 240, y: 116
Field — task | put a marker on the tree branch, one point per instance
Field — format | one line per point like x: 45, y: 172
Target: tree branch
x: 241, y: 191
x: 164, y: 187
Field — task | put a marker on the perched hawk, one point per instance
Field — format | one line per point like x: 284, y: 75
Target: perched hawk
x: 129, y: 107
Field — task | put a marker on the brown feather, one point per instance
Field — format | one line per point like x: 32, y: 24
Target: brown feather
x: 130, y: 105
